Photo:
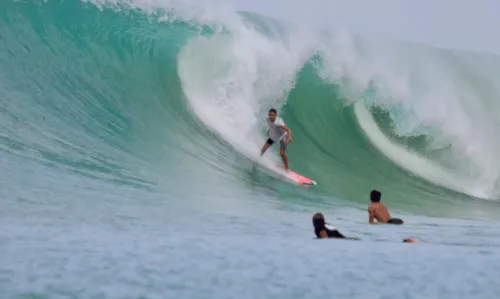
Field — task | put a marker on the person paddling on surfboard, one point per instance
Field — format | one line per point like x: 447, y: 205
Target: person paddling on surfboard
x: 277, y: 131
x: 323, y: 232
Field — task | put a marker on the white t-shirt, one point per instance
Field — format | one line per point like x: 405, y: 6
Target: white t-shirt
x: 274, y: 131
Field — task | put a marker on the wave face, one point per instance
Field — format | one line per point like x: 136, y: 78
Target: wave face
x: 174, y: 98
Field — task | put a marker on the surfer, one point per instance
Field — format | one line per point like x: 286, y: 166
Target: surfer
x: 378, y: 211
x: 323, y: 232
x: 277, y: 131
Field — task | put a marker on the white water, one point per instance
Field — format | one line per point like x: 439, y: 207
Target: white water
x: 413, y: 162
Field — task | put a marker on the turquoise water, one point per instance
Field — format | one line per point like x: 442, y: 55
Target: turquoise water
x: 129, y: 132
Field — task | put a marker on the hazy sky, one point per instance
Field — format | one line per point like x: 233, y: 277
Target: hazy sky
x: 461, y: 24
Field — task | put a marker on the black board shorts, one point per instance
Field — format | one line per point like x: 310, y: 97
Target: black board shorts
x: 283, y: 143
x: 395, y: 221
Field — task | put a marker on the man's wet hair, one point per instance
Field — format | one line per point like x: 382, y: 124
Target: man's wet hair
x: 375, y: 196
x: 273, y: 110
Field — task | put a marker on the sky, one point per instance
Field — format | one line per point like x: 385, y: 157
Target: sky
x: 457, y: 24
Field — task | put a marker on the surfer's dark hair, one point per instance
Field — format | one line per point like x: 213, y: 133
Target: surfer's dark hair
x: 375, y: 196
x: 273, y: 110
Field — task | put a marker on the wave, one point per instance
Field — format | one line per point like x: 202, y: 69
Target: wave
x: 164, y: 93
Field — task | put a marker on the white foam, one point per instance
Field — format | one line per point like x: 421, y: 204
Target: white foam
x: 430, y: 93
x: 413, y: 162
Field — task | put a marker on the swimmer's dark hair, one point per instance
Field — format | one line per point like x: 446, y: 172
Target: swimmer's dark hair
x: 318, y: 221
x: 273, y: 110
x: 375, y: 196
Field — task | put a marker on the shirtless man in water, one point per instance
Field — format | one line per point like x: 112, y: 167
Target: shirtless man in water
x: 378, y: 211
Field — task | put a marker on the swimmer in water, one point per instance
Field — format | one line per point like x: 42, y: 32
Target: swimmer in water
x: 323, y: 232
x: 378, y: 211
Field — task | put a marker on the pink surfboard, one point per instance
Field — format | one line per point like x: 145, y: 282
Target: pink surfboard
x: 299, y: 178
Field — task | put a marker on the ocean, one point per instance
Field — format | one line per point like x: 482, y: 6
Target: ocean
x: 129, y: 144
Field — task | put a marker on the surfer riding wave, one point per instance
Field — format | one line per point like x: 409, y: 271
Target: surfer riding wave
x: 277, y: 131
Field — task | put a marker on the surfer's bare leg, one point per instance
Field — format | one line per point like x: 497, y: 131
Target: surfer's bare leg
x: 284, y: 157
x: 264, y: 148
x: 268, y: 143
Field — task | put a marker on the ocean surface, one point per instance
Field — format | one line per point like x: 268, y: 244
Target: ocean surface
x: 129, y: 146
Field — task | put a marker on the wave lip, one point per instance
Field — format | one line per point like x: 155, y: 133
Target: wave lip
x: 416, y: 164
